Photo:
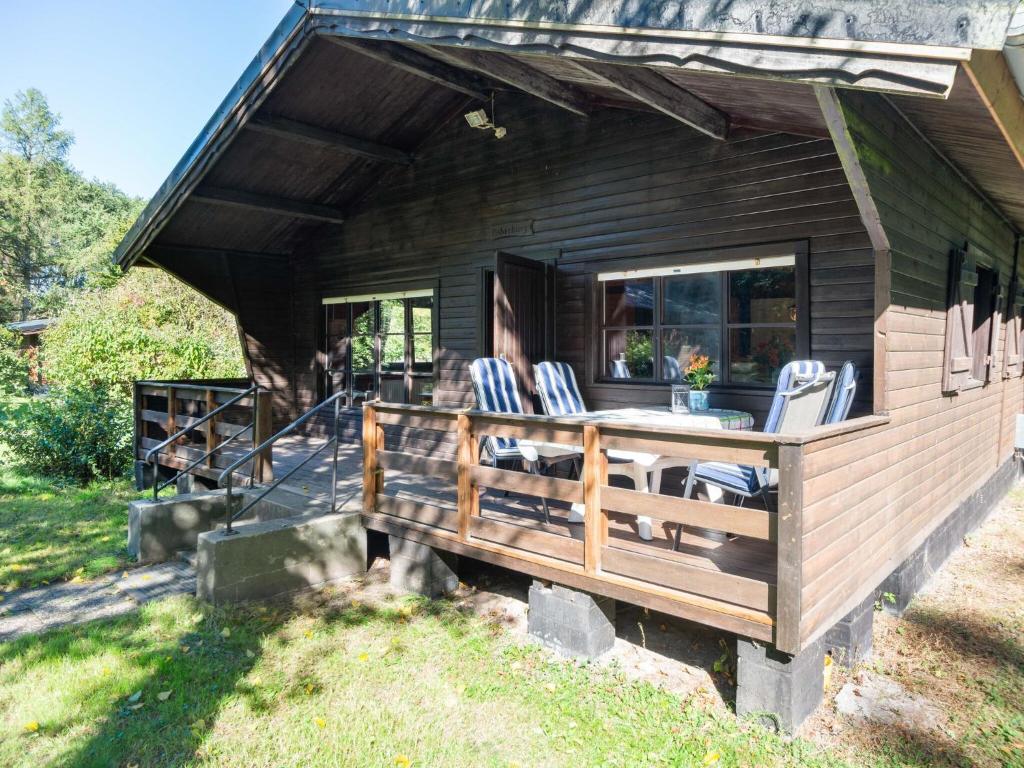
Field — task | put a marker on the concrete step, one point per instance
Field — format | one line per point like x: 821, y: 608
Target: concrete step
x: 188, y: 556
x: 300, y: 502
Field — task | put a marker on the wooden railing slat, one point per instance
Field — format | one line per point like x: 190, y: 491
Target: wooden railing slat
x: 755, y: 523
x: 396, y: 461
x: 533, y: 485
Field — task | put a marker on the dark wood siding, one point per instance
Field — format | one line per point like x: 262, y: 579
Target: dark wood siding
x: 615, y: 186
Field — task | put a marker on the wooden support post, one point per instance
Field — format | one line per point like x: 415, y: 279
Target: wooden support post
x: 593, y: 524
x: 172, y: 418
x: 604, y: 512
x: 263, y: 430
x: 212, y: 438
x: 468, y: 501
x: 369, y: 459
x: 138, y: 426
x: 789, y: 578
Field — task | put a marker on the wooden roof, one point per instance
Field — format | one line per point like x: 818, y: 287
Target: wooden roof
x: 336, y: 99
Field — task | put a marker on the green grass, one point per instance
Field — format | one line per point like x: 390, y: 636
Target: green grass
x: 338, y: 683
x: 51, y: 531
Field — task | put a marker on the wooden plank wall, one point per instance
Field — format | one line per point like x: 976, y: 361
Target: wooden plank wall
x: 616, y: 185
x: 872, y: 499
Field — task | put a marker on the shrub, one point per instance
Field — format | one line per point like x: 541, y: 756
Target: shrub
x: 148, y: 325
x: 80, y: 434
x: 13, y: 365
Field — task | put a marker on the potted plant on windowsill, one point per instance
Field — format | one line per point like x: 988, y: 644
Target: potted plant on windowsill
x: 699, y: 376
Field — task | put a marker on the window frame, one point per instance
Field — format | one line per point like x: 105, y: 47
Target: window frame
x: 409, y: 375
x: 597, y: 373
x: 959, y: 371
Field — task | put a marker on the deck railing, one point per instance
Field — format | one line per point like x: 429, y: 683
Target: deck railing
x: 749, y: 584
x: 166, y: 408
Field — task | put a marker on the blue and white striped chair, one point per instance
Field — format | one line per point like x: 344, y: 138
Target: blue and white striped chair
x: 496, y: 389
x: 842, y: 395
x: 801, y: 401
x: 620, y: 370
x: 673, y: 371
x: 559, y: 393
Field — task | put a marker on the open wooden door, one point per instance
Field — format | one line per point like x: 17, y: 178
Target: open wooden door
x: 523, y: 322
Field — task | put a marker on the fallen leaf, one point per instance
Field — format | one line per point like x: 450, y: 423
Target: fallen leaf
x: 711, y: 758
x: 364, y: 657
x: 163, y: 695
x: 551, y: 687
x: 308, y: 633
x: 309, y: 689
x: 403, y: 761
x: 31, y: 727
x: 320, y: 722
x: 135, y: 697
x: 249, y: 654
x: 134, y: 707
x: 226, y: 632
x: 185, y: 649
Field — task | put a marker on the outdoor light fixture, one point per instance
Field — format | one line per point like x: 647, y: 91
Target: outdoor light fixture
x: 478, y: 119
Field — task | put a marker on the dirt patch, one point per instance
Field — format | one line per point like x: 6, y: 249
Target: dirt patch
x: 958, y: 651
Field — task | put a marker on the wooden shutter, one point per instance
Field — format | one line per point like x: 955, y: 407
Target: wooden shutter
x: 993, y: 362
x: 522, y: 317
x: 1012, y: 345
x: 958, y: 355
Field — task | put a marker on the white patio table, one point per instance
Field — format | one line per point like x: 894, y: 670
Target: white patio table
x: 644, y: 469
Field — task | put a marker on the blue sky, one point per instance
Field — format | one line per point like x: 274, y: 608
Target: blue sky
x: 134, y: 81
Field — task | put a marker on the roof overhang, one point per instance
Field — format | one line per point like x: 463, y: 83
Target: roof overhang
x: 903, y: 48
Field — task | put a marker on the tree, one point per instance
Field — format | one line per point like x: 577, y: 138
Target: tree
x: 57, y: 229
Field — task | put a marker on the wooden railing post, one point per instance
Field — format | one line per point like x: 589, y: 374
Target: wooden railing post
x: 789, y: 576
x: 172, y: 418
x: 595, y: 524
x: 370, y: 485
x: 212, y: 438
x: 467, y: 493
x: 263, y: 429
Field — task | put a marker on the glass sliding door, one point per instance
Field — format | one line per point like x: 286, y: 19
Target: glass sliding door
x: 381, y: 347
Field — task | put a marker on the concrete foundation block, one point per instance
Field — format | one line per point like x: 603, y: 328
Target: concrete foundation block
x: 260, y: 560
x: 571, y: 622
x: 778, y: 689
x: 159, y: 529
x: 849, y: 640
x: 421, y: 569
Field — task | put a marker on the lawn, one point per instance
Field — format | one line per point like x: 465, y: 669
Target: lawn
x: 50, y: 531
x: 340, y: 682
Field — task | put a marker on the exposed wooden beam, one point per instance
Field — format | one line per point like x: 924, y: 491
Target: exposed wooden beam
x: 650, y: 88
x: 159, y: 252
x: 421, y: 65
x: 514, y: 72
x: 305, y: 133
x: 297, y: 209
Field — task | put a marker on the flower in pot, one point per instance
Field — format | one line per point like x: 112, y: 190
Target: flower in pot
x: 699, y: 376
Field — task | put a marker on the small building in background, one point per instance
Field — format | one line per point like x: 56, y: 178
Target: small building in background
x: 31, y: 332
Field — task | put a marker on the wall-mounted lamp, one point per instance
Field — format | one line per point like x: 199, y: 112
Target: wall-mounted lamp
x: 479, y: 119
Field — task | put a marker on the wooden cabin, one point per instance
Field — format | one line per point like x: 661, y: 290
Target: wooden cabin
x: 390, y: 192
x: 31, y: 345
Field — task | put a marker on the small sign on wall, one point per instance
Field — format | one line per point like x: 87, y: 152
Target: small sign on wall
x: 511, y: 229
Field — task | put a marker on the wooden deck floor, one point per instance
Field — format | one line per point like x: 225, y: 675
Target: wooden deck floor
x: 748, y: 558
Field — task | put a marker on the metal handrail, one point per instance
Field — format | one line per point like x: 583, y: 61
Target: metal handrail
x: 154, y: 452
x: 227, y: 475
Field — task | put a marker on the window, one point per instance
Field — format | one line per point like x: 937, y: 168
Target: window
x: 381, y: 345
x: 973, y: 319
x: 742, y: 314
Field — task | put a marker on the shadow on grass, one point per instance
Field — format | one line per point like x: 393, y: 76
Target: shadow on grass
x: 969, y: 636
x: 916, y: 748
x: 179, y: 646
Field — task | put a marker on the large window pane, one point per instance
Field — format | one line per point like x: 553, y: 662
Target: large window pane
x: 629, y: 302
x: 756, y: 355
x: 422, y: 310
x: 422, y: 353
x: 363, y: 330
x: 634, y: 348
x: 693, y: 299
x: 762, y: 295
x: 679, y: 343
x: 392, y: 353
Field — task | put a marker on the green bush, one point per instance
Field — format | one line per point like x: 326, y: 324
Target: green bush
x: 148, y: 325
x: 79, y: 434
x: 13, y: 365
